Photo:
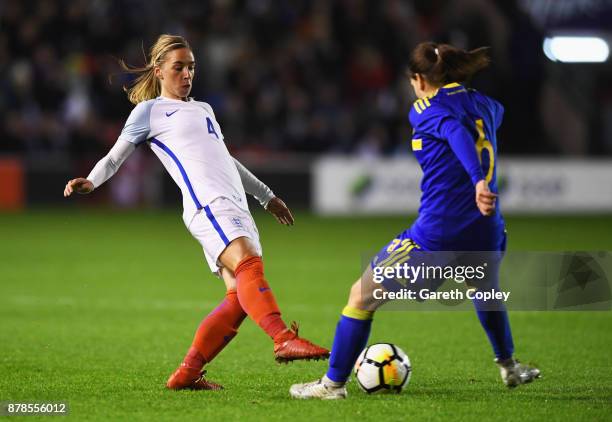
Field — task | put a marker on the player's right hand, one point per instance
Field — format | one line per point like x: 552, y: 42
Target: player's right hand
x: 78, y: 185
x: 485, y: 199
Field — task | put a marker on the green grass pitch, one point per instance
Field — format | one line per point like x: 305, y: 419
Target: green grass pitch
x: 98, y: 307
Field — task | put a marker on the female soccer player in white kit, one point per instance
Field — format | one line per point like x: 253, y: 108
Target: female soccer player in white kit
x: 187, y: 139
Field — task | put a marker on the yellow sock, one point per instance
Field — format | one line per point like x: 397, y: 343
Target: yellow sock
x: 357, y: 313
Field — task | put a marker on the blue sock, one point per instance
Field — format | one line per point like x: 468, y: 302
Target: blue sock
x: 494, y: 318
x: 351, y: 337
x: 497, y: 327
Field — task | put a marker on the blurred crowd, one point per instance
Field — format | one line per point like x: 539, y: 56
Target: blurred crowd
x: 306, y: 76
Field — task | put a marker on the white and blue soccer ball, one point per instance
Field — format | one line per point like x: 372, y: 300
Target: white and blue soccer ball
x: 383, y: 368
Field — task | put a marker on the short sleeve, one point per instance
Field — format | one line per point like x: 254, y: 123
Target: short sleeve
x: 209, y: 109
x: 138, y: 126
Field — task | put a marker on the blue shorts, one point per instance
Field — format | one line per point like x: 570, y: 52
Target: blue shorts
x: 406, y: 243
x: 404, y: 249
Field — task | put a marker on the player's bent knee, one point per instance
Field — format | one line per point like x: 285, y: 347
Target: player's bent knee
x: 362, y: 297
x: 228, y: 278
x: 363, y: 293
x: 355, y: 296
x: 237, y: 250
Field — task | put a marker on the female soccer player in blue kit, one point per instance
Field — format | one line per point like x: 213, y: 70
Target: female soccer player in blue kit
x: 454, y: 141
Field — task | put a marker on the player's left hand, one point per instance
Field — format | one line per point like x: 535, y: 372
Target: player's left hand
x: 280, y: 211
x: 485, y: 199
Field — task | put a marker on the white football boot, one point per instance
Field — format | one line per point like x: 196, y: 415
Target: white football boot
x: 324, y: 389
x: 514, y: 373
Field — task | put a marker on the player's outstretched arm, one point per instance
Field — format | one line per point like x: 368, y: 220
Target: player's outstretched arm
x: 265, y: 196
x: 103, y: 170
x: 253, y: 186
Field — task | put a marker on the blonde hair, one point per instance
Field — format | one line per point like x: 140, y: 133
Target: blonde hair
x: 146, y: 86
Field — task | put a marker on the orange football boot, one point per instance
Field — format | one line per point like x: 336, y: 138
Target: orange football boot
x: 292, y: 347
x: 186, y: 378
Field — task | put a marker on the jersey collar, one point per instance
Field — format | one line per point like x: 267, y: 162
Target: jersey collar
x: 161, y: 97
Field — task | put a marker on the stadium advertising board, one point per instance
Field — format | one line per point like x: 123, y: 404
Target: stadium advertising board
x: 392, y: 186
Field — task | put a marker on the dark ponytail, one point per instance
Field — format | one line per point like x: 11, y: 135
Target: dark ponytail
x: 441, y: 64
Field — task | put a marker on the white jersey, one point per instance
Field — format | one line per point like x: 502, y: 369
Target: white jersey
x: 188, y: 140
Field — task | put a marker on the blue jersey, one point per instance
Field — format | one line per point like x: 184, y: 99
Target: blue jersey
x: 455, y: 143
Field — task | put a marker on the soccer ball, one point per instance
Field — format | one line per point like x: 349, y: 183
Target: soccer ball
x: 383, y: 367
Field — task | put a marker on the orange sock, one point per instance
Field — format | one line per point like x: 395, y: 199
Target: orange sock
x: 215, y: 331
x: 256, y: 297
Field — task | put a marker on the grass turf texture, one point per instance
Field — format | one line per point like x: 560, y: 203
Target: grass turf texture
x: 99, y: 307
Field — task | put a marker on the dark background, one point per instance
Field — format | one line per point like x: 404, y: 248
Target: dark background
x: 292, y: 80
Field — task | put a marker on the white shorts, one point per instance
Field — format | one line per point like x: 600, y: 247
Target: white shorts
x: 217, y: 224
